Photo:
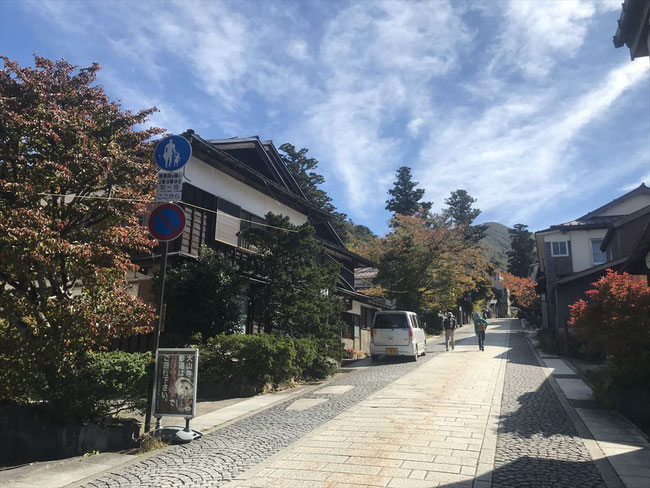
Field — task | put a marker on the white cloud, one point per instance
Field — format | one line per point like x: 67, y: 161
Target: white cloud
x: 537, y: 35
x: 377, y: 62
x: 298, y: 49
x: 510, y: 155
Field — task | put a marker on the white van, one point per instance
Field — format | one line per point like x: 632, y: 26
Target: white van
x: 398, y: 333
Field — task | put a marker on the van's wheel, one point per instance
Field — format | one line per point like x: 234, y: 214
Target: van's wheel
x: 415, y: 358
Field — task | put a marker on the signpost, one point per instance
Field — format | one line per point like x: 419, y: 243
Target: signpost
x: 175, y: 383
x: 170, y: 186
x: 166, y: 223
x: 172, y: 153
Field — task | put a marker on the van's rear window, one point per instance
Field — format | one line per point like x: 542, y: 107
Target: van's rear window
x: 391, y: 321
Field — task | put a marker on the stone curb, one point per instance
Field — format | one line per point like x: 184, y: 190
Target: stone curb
x: 606, y: 470
x: 71, y: 465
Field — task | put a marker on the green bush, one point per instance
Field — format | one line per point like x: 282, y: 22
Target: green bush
x: 547, y: 340
x: 102, y: 385
x: 312, y: 363
x: 262, y: 359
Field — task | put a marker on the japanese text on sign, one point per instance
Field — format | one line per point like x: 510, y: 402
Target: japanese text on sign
x: 169, y: 187
x: 175, y: 388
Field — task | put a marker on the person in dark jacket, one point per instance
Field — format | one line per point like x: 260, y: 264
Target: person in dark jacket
x: 450, y: 324
x: 479, y: 328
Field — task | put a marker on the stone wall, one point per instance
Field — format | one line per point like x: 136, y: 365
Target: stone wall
x: 28, y: 436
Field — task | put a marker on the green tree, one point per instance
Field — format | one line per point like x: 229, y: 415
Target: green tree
x: 201, y: 296
x: 459, y: 210
x: 523, y: 250
x: 405, y: 196
x: 64, y: 260
x: 426, y: 267
x: 299, y: 295
x: 301, y: 168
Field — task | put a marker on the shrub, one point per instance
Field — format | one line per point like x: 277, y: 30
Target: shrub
x: 103, y: 385
x: 262, y: 359
x: 615, y: 322
x: 91, y: 388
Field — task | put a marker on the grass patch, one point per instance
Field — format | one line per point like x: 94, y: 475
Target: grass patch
x: 148, y: 443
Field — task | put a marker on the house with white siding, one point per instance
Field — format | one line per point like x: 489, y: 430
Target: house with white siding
x: 229, y: 186
x: 574, y: 254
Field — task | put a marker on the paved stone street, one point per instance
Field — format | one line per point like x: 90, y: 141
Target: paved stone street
x: 537, y: 443
x: 226, y: 452
x: 395, y: 424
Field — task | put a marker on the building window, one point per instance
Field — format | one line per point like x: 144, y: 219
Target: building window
x: 227, y: 229
x: 599, y: 256
x: 367, y: 315
x: 351, y: 321
x: 249, y: 221
x: 559, y: 248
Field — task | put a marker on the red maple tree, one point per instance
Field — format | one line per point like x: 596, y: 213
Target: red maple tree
x: 64, y: 259
x: 615, y: 318
x: 522, y: 290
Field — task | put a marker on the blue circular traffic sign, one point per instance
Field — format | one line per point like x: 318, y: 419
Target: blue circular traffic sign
x: 172, y: 153
x: 166, y: 222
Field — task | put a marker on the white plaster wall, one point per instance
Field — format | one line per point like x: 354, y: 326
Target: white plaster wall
x: 556, y: 236
x: 629, y: 206
x: 205, y: 177
x: 581, y: 254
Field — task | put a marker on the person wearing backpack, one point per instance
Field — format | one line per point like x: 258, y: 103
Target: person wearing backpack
x: 479, y: 328
x: 450, y: 325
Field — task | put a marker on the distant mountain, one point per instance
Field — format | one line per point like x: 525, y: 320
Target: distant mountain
x: 496, y: 244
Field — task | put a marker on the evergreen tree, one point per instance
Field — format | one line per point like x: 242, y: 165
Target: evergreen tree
x: 461, y: 213
x: 301, y: 168
x: 406, y: 197
x: 523, y: 250
x: 299, y: 296
x: 201, y: 297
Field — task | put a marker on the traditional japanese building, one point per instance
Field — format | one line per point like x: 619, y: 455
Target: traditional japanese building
x: 229, y: 185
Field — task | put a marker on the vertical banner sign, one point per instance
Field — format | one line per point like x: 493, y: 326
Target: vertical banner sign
x: 175, y: 383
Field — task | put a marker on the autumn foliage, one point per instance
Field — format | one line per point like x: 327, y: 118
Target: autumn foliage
x: 522, y: 290
x: 64, y: 259
x: 428, y: 265
x: 615, y: 319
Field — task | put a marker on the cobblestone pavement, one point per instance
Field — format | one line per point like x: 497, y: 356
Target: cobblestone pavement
x: 537, y: 444
x: 220, y: 455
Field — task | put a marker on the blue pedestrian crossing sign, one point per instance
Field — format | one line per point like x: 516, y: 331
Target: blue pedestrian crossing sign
x: 172, y: 153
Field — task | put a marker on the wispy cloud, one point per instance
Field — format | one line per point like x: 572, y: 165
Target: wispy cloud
x: 505, y: 99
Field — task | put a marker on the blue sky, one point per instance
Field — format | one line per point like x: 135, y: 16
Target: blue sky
x: 525, y: 104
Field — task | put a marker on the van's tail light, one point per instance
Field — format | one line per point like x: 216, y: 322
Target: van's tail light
x: 372, y: 336
x: 410, y: 333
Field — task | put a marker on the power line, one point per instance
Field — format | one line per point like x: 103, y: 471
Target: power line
x: 216, y: 212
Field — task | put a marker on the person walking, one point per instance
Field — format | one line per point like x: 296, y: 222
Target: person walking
x: 479, y: 328
x: 450, y: 325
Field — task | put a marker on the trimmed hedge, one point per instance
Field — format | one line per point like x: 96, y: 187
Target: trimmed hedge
x: 96, y: 387
x: 102, y: 385
x: 262, y: 359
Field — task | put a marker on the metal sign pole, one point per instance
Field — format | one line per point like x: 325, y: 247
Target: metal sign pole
x: 158, y: 324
